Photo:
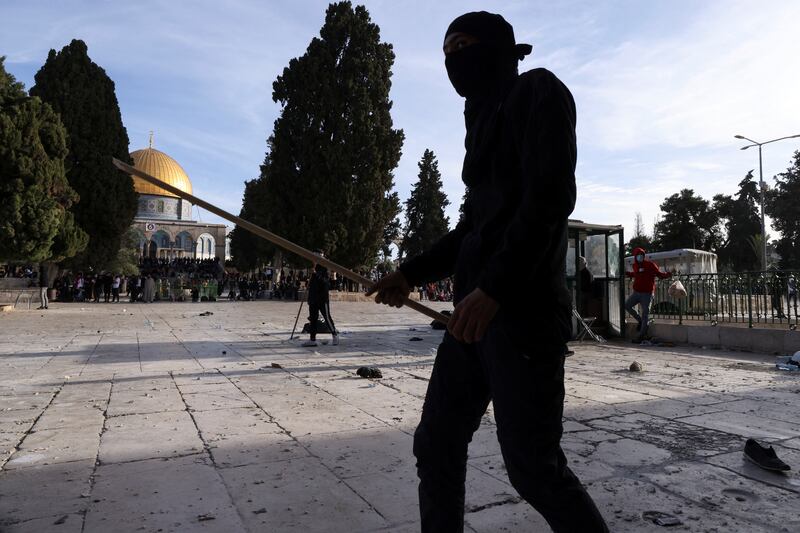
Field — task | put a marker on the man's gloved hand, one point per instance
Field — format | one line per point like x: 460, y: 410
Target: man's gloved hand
x: 392, y: 289
x: 472, y: 316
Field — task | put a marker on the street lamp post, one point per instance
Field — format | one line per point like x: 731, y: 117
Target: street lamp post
x: 762, y: 186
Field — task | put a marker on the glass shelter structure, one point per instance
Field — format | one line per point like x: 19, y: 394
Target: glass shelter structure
x: 600, y: 296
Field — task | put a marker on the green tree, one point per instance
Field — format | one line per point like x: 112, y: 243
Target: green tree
x: 391, y: 233
x: 35, y: 224
x: 640, y: 237
x: 328, y: 171
x: 689, y: 221
x: 425, y: 219
x: 126, y: 263
x: 250, y: 251
x: 742, y: 222
x: 783, y: 206
x: 83, y: 95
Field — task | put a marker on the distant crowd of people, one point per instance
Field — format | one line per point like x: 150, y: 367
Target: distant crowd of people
x: 18, y: 271
x: 199, y: 279
x: 440, y: 291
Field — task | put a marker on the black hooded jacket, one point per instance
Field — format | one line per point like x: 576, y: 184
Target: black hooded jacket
x: 512, y: 239
x: 318, y: 286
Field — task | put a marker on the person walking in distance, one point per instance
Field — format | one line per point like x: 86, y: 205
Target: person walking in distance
x: 319, y: 302
x: 506, y: 251
x: 45, y: 303
x: 644, y: 276
x: 115, y: 288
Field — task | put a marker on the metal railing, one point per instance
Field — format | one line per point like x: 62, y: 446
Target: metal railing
x: 746, y: 297
x: 176, y: 288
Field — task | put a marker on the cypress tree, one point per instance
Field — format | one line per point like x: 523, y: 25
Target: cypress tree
x: 742, y: 222
x: 328, y: 170
x: 783, y: 206
x: 250, y: 251
x: 425, y: 219
x: 83, y: 95
x: 34, y: 222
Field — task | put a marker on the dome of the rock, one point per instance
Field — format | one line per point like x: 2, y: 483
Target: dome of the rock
x: 161, y: 166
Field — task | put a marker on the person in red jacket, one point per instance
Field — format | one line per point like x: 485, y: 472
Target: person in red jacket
x: 644, y: 276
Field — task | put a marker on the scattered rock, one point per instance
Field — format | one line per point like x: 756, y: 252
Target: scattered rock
x: 260, y: 511
x: 415, y: 339
x: 661, y: 519
x: 636, y: 366
x: 206, y: 516
x: 369, y: 372
x: 276, y: 365
x: 61, y: 520
x: 224, y: 352
x: 206, y: 313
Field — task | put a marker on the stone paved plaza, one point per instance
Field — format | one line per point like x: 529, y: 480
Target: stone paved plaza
x: 120, y: 417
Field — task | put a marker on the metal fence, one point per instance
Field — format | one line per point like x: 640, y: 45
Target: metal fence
x: 746, y: 297
x: 180, y: 288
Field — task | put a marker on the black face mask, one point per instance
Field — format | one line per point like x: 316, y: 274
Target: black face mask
x: 472, y: 70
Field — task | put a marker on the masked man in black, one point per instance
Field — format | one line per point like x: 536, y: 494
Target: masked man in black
x: 508, y: 250
x: 319, y: 302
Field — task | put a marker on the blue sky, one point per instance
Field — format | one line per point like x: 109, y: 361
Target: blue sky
x: 661, y: 87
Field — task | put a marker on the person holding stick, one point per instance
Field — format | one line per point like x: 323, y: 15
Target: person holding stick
x: 507, y: 251
x: 319, y: 302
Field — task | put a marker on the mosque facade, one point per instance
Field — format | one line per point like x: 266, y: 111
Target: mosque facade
x: 164, y: 223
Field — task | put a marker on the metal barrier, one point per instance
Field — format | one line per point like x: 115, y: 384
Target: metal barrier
x: 172, y: 289
x: 746, y: 297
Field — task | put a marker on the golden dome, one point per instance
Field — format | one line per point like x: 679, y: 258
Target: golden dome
x: 161, y: 166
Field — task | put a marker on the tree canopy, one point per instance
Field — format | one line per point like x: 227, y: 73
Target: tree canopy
x: 783, y: 206
x: 83, y: 95
x: 689, y: 222
x: 250, y: 251
x: 327, y: 177
x: 742, y: 222
x: 35, y: 224
x: 426, y: 222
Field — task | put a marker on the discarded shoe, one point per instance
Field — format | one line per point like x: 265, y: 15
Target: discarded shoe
x: 766, y: 458
x: 369, y: 372
x: 309, y: 344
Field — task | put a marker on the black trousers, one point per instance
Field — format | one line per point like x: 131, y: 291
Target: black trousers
x: 314, y: 310
x: 528, y: 394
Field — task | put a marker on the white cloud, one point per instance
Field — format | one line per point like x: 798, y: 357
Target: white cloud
x: 728, y: 71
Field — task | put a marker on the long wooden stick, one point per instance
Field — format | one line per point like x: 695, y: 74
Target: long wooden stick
x: 273, y: 238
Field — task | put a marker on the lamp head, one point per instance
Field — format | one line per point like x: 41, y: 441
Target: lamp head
x: 738, y: 137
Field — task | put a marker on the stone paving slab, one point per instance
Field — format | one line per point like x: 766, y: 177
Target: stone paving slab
x: 178, y: 494
x: 155, y: 418
x: 148, y: 436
